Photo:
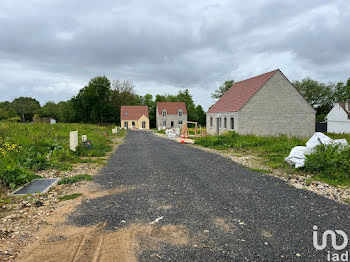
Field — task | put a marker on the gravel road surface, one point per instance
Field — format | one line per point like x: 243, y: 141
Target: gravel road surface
x: 225, y: 212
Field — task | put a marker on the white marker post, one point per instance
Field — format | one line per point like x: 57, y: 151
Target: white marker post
x: 83, y: 138
x: 73, y: 140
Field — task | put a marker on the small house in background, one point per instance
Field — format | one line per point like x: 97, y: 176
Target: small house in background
x: 171, y: 114
x: 40, y: 119
x: 134, y: 117
x: 266, y: 105
x: 338, y: 119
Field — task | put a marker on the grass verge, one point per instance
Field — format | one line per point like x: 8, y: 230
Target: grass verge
x: 69, y: 197
x: 74, y: 179
x: 329, y: 164
x: 28, y: 148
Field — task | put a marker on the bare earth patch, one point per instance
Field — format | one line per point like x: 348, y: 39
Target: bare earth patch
x: 59, y: 242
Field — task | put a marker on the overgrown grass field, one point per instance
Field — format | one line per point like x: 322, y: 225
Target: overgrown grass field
x: 27, y: 148
x: 326, y: 163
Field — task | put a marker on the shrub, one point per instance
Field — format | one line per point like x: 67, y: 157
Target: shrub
x: 330, y: 163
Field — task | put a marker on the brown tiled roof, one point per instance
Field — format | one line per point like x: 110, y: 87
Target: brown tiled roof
x: 342, y: 104
x: 133, y: 112
x: 240, y: 93
x: 172, y: 108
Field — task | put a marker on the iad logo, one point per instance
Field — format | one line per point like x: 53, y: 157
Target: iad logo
x: 337, y: 245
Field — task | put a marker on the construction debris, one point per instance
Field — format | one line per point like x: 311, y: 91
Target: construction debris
x: 298, y: 154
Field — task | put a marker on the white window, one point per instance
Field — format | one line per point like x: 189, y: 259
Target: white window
x: 180, y: 122
x: 126, y: 125
x: 164, y: 123
x: 143, y: 124
x: 180, y: 112
x: 164, y: 113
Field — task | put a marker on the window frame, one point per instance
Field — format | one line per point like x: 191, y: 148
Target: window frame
x: 164, y: 122
x: 164, y: 113
x: 143, y: 124
x: 180, y: 113
x: 225, y: 122
x: 232, y: 123
x: 211, y: 121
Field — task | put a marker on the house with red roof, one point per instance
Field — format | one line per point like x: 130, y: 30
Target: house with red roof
x: 171, y: 114
x: 134, y: 117
x: 266, y: 105
x: 338, y: 119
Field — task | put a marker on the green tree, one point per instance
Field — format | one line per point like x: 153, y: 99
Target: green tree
x: 25, y: 107
x: 184, y: 96
x: 93, y: 101
x: 319, y: 95
x: 147, y: 100
x: 123, y: 93
x: 201, y: 115
x: 50, y: 109
x: 7, y: 110
x: 218, y: 93
x: 342, y: 92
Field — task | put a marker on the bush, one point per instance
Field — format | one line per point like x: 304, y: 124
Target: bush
x: 330, y: 163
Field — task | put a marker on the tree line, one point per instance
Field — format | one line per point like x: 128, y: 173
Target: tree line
x: 97, y: 102
x: 321, y: 96
x: 101, y: 99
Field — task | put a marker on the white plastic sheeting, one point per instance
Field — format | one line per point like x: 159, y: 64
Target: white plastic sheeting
x: 298, y: 154
x: 173, y: 132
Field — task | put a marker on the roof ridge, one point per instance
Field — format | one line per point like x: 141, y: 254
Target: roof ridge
x: 258, y: 76
x: 240, y: 93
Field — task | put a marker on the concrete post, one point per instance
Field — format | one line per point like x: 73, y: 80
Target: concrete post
x: 73, y: 140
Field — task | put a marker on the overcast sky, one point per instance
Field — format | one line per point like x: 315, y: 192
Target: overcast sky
x: 49, y: 49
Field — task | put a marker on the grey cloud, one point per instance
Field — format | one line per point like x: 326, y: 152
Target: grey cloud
x: 168, y: 45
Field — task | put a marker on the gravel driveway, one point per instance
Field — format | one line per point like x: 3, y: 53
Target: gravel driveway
x: 229, y: 213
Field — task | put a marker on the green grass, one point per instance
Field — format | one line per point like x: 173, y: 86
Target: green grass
x: 74, y: 179
x: 260, y: 170
x: 122, y: 133
x: 272, y: 149
x: 328, y: 164
x: 69, y: 197
x: 28, y: 148
x: 161, y: 132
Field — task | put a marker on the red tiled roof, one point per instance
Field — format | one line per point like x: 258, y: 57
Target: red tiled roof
x: 133, y: 112
x: 172, y: 108
x: 240, y: 93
